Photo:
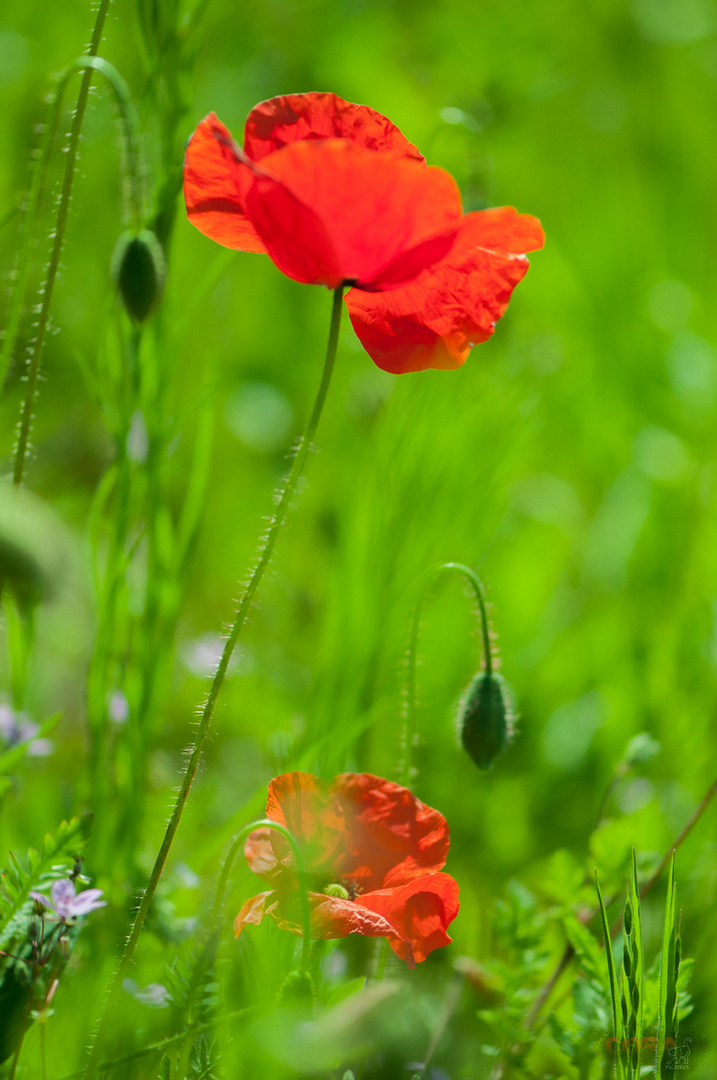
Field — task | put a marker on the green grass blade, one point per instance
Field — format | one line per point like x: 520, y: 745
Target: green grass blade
x: 618, y: 1027
x: 666, y: 1026
x: 638, y: 965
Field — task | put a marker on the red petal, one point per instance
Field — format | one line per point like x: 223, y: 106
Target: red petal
x: 286, y: 119
x: 433, y: 321
x: 330, y: 212
x: 214, y: 183
x: 391, y: 837
x: 260, y: 854
x: 253, y: 911
x: 419, y: 912
x: 331, y: 917
x: 308, y: 810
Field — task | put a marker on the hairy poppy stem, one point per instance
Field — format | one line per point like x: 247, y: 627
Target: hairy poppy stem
x: 72, y: 149
x: 409, y: 731
x: 207, y: 712
x: 267, y: 823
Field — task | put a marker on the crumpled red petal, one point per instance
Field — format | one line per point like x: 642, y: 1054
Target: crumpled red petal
x: 419, y: 912
x: 253, y: 911
x: 331, y: 917
x: 390, y: 836
x: 214, y: 183
x: 291, y: 117
x: 330, y: 211
x: 261, y: 856
x: 433, y: 321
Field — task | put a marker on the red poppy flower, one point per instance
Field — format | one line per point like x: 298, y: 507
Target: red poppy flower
x: 335, y: 194
x: 372, y: 853
x: 331, y: 191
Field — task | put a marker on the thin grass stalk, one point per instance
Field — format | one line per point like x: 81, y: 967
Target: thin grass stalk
x: 266, y: 549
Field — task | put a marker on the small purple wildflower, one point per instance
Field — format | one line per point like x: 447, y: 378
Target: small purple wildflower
x: 67, y: 903
x: 15, y: 728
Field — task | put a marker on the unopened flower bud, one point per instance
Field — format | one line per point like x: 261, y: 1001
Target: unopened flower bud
x: 486, y: 718
x: 139, y: 269
x: 640, y: 749
x: 298, y: 989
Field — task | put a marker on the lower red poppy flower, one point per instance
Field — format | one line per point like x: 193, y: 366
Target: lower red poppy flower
x: 434, y: 320
x: 373, y: 855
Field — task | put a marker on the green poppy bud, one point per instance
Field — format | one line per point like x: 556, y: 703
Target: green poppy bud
x: 298, y: 989
x: 139, y: 269
x: 641, y: 749
x: 486, y: 718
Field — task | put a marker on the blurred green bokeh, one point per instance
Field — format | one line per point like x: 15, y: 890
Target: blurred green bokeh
x: 572, y: 460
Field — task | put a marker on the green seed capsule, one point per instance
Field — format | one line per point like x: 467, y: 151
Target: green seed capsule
x: 139, y: 269
x: 486, y: 718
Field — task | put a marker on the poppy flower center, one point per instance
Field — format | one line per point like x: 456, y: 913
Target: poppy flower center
x: 343, y: 890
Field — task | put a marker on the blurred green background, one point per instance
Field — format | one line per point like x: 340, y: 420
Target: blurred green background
x: 571, y: 461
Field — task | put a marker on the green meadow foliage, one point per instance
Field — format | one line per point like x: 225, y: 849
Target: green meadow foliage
x: 554, y: 698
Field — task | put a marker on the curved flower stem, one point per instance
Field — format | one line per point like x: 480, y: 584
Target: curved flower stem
x: 72, y: 148
x: 409, y: 731
x: 265, y: 552
x: 267, y: 823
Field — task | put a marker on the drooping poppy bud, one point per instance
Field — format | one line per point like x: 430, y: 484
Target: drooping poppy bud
x: 139, y: 270
x: 486, y: 718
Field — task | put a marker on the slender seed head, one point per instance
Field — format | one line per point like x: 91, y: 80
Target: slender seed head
x: 486, y: 718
